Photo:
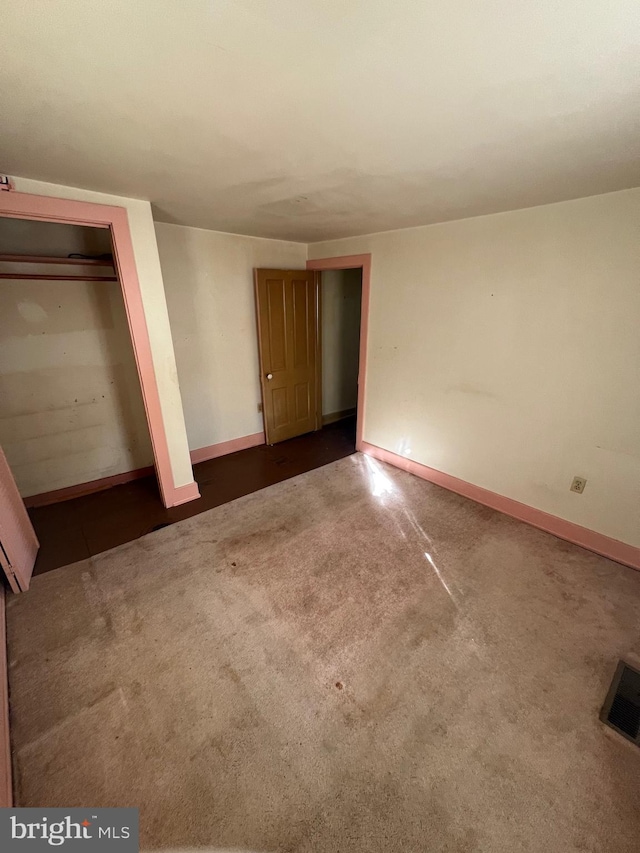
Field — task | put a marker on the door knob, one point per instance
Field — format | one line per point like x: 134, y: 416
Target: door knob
x: 269, y: 375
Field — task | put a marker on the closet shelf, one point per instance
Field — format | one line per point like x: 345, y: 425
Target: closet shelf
x: 30, y: 277
x: 39, y: 259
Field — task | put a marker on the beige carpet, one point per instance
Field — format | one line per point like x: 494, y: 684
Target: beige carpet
x: 353, y: 660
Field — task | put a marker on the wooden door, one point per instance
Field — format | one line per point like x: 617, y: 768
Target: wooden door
x: 287, y: 311
x: 18, y: 542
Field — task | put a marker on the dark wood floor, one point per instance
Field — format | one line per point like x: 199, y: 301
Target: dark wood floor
x: 79, y: 528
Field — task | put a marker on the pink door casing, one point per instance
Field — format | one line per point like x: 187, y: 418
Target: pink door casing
x: 50, y: 209
x: 18, y: 542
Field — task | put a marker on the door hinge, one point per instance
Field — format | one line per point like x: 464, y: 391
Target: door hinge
x: 6, y: 563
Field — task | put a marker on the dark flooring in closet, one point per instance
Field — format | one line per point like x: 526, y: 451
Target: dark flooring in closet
x: 78, y: 528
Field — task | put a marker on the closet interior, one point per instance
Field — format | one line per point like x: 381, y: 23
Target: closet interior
x: 71, y: 411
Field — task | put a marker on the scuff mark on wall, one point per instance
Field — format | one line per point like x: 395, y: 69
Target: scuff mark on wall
x: 470, y: 388
x: 32, y: 312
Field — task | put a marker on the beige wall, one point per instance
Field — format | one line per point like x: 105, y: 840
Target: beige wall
x: 505, y: 350
x: 341, y: 296
x: 152, y: 289
x: 208, y: 279
x: 71, y: 409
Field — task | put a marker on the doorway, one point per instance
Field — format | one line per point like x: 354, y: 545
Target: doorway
x: 312, y: 344
x: 116, y: 219
x: 340, y: 308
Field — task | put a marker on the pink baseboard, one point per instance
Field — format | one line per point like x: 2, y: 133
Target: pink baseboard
x: 66, y: 494
x: 225, y: 447
x: 184, y: 494
x: 6, y: 794
x: 628, y: 555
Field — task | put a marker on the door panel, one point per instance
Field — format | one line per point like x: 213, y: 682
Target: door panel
x: 279, y: 404
x: 277, y: 338
x: 286, y: 304
x: 303, y: 407
x: 18, y: 542
x: 301, y: 338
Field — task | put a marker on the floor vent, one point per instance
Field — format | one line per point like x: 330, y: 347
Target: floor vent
x: 621, y: 709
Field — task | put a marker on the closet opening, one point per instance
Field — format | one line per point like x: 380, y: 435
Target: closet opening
x: 72, y: 416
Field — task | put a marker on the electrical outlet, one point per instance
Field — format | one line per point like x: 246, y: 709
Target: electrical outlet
x: 259, y: 407
x: 578, y: 485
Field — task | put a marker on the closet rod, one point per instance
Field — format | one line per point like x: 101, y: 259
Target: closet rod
x: 39, y: 259
x: 58, y: 277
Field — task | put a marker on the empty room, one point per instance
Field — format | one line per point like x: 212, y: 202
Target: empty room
x: 320, y: 426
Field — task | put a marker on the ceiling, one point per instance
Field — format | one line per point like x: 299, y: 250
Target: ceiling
x: 314, y: 119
